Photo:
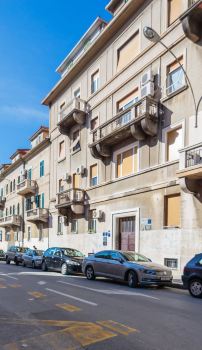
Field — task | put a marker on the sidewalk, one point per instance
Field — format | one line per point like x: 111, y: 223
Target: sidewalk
x: 177, y: 283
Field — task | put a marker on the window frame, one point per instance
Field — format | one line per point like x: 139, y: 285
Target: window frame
x: 121, y: 151
x: 97, y: 177
x: 41, y: 173
x: 165, y: 132
x: 95, y: 87
x: 124, y: 43
x: 59, y: 149
x: 76, y: 230
x: 165, y: 218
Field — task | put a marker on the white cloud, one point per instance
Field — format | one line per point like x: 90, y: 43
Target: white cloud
x: 22, y: 113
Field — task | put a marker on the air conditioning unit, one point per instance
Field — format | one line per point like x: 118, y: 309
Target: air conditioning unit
x: 80, y: 170
x: 147, y: 90
x: 32, y: 199
x: 147, y: 77
x: 97, y: 214
x: 66, y: 177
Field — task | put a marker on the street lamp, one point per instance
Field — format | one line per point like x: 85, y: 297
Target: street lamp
x: 154, y: 37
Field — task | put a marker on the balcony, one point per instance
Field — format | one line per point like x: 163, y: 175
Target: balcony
x: 11, y: 220
x: 2, y: 202
x: 190, y: 172
x: 37, y: 215
x: 72, y: 199
x: 192, y: 21
x: 73, y: 113
x: 138, y: 121
x: 26, y: 187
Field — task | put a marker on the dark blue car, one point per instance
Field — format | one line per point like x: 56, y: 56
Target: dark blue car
x: 192, y: 276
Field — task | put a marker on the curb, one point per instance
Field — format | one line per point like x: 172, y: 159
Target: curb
x: 177, y: 285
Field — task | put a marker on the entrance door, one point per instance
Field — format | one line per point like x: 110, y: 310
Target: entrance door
x: 127, y: 233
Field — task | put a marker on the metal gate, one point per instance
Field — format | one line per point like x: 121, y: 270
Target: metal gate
x: 127, y: 233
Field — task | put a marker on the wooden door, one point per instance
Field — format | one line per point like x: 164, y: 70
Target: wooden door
x: 127, y: 233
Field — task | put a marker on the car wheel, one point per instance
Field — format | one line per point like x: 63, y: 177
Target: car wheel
x: 90, y: 273
x: 24, y: 263
x: 44, y: 266
x: 195, y: 288
x: 64, y: 269
x: 33, y: 265
x: 132, y: 279
x: 16, y: 262
x: 8, y: 261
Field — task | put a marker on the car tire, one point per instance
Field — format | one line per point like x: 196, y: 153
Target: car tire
x: 195, y: 288
x: 90, y: 273
x: 44, y: 266
x: 16, y: 262
x: 132, y: 279
x: 64, y: 269
x: 33, y: 265
x: 8, y: 261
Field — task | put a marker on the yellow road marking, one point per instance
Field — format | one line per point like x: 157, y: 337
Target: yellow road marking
x: 37, y: 295
x: 68, y: 307
x: 2, y: 286
x: 15, y: 285
x: 117, y: 327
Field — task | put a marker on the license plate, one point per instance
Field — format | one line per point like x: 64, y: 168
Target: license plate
x: 165, y: 278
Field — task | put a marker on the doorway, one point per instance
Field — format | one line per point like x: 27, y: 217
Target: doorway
x: 127, y: 233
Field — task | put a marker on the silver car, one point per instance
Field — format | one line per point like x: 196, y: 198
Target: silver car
x: 134, y: 268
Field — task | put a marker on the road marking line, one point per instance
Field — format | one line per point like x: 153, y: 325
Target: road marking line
x: 37, y: 295
x: 68, y: 307
x: 117, y: 327
x: 111, y: 291
x: 6, y: 275
x: 72, y: 297
x: 41, y: 283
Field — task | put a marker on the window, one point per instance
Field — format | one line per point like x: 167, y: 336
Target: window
x: 61, y: 186
x: 175, y: 9
x: 95, y: 81
x: 93, y: 175
x: 171, y: 263
x: 62, y: 150
x: 39, y: 200
x: 128, y: 101
x: 62, y: 106
x: 76, y: 181
x: 103, y: 255
x: 29, y: 174
x: 18, y: 179
x: 1, y: 192
x: 28, y: 204
x: 172, y: 210
x: 7, y: 236
x: 128, y: 51
x: 13, y: 209
x: 77, y: 93
x: 92, y: 224
x: 41, y: 168
x: 40, y: 232
x: 18, y: 209
x: 1, y: 236
x: 13, y: 185
x: 6, y: 211
x: 7, y: 189
x: 74, y: 226
x: 76, y: 141
x: 127, y: 162
x: 174, y: 143
x: 175, y: 77
x: 60, y: 225
x: 94, y: 123
x: 29, y: 233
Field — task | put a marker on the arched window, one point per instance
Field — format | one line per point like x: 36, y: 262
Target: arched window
x: 7, y: 189
x: 13, y: 209
x: 11, y: 186
x: 14, y: 185
x: 6, y: 211
x: 18, y: 209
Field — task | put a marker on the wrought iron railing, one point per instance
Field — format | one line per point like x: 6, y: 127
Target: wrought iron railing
x: 140, y: 108
x: 76, y: 103
x: 73, y: 195
x: 194, y: 156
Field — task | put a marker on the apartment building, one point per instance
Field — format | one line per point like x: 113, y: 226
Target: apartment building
x: 24, y: 188
x: 125, y: 155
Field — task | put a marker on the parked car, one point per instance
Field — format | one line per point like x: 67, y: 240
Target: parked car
x: 15, y: 253
x: 192, y: 276
x: 66, y: 260
x: 32, y: 258
x: 134, y: 268
x: 2, y: 255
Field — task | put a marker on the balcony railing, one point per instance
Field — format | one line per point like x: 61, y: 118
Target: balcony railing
x: 10, y: 220
x: 27, y: 186
x: 73, y: 113
x: 194, y: 157
x: 74, y: 195
x: 38, y: 214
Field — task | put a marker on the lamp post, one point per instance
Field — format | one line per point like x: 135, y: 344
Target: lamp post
x: 154, y: 37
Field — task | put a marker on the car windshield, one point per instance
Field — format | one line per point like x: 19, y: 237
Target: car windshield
x: 1, y: 251
x: 22, y: 250
x: 130, y: 256
x: 72, y: 252
x: 37, y: 252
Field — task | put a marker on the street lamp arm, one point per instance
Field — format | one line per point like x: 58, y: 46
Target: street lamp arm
x: 187, y: 78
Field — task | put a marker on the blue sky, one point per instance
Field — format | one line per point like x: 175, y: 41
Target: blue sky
x: 35, y: 36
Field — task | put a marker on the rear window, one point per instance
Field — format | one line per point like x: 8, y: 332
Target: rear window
x: 21, y: 250
x: 72, y: 252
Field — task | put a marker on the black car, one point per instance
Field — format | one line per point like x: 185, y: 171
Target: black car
x: 32, y: 258
x: 192, y: 276
x: 65, y: 260
x: 15, y: 253
x: 2, y: 255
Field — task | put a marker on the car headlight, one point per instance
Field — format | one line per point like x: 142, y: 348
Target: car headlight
x: 70, y: 262
x: 149, y: 272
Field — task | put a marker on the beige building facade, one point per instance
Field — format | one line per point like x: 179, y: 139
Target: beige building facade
x: 24, y: 188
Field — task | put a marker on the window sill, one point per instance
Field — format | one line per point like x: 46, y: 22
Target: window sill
x: 61, y: 159
x: 173, y: 94
x: 76, y: 151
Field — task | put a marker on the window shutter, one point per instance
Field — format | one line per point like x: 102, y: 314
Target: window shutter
x: 42, y: 200
x: 118, y: 171
x: 175, y: 9
x: 127, y: 163
x: 173, y: 210
x: 127, y: 100
x: 93, y: 172
x: 128, y: 51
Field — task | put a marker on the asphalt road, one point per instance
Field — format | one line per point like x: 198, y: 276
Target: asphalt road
x: 45, y: 310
